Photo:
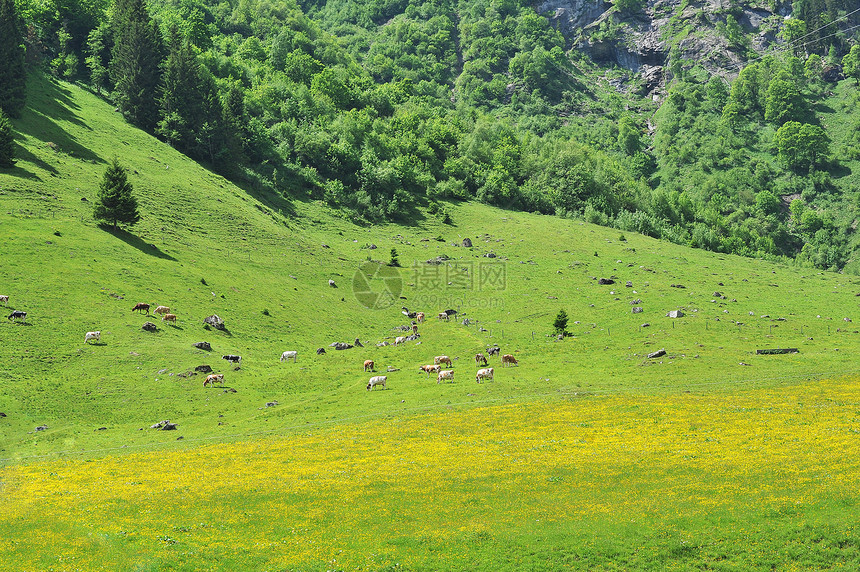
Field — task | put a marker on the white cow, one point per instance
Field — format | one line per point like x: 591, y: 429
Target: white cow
x: 445, y: 374
x: 162, y: 310
x: 289, y: 355
x: 486, y: 373
x: 376, y: 380
x: 93, y: 336
x: 5, y: 300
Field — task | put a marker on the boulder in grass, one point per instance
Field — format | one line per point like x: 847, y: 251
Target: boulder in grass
x: 658, y: 353
x: 149, y: 327
x: 203, y: 368
x: 467, y: 242
x: 675, y: 314
x: 215, y: 322
x: 202, y: 346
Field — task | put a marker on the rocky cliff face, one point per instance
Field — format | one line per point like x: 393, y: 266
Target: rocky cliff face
x: 641, y: 41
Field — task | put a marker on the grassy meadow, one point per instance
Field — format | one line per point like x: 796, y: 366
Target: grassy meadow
x: 588, y: 455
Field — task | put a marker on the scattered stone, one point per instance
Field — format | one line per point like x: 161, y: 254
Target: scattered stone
x: 271, y: 403
x: 229, y: 390
x: 742, y: 363
x: 467, y: 242
x: 342, y: 346
x: 629, y: 284
x: 636, y: 301
x: 777, y: 351
x: 606, y: 281
x: 489, y: 255
x: 320, y: 351
x: 165, y: 425
x: 102, y: 429
x: 658, y: 353
x: 149, y: 327
x: 215, y: 322
x: 389, y: 369
x: 676, y: 286
x: 358, y: 343
x: 202, y: 346
x: 717, y: 294
x: 332, y: 284
x: 637, y: 309
x: 381, y: 344
x: 2, y: 414
x: 42, y: 428
x: 846, y: 319
x: 645, y: 325
x: 203, y: 369
x: 675, y: 314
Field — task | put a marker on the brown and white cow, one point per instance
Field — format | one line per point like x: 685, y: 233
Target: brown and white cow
x: 419, y: 316
x: 479, y: 358
x: 486, y: 373
x: 162, y: 310
x: 445, y: 374
x: 443, y: 316
x: 5, y: 299
x: 214, y: 378
x: 508, y: 359
x: 428, y: 369
x: 376, y: 380
x: 442, y: 359
x: 169, y: 318
x: 368, y: 364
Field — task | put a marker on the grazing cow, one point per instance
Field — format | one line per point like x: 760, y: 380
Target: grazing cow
x: 5, y: 300
x: 142, y: 306
x: 428, y: 369
x: 445, y: 374
x: 443, y: 316
x: 368, y: 364
x: 399, y: 340
x: 162, y: 310
x: 232, y: 358
x: 17, y: 314
x: 214, y: 378
x: 509, y: 359
x: 169, y: 318
x: 442, y: 359
x: 486, y: 373
x: 289, y: 355
x: 376, y: 380
x: 480, y: 358
x: 414, y: 329
x: 419, y: 316
x: 494, y: 351
x: 93, y: 336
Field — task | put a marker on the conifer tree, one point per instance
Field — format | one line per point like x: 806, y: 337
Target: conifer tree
x: 7, y: 156
x: 134, y: 67
x: 179, y: 93
x: 116, y: 203
x: 12, y: 75
x: 560, y: 323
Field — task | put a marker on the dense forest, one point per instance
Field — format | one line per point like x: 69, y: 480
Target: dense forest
x: 384, y: 106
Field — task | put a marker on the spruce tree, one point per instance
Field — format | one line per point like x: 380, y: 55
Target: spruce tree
x: 7, y: 156
x: 12, y: 75
x: 116, y: 203
x: 560, y: 323
x: 134, y: 66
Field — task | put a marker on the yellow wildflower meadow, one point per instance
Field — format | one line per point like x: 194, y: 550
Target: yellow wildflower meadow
x: 455, y: 490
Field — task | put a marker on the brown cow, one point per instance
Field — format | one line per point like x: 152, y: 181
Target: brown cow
x: 368, y: 364
x: 169, y: 318
x: 509, y: 359
x: 215, y: 377
x: 142, y: 306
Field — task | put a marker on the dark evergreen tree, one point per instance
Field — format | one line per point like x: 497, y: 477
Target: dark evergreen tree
x: 394, y: 260
x: 134, y: 67
x: 7, y: 155
x: 12, y: 75
x: 560, y: 323
x: 179, y: 93
x: 116, y: 203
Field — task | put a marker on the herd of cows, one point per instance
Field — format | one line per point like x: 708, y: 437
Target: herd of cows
x: 485, y: 373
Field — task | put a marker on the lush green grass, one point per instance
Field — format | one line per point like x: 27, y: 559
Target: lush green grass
x: 72, y: 277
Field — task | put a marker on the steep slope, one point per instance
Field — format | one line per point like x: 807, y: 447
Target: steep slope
x: 263, y: 264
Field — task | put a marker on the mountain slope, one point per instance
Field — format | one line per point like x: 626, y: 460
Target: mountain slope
x: 205, y: 246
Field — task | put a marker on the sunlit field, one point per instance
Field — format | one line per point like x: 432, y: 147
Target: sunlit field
x: 747, y: 480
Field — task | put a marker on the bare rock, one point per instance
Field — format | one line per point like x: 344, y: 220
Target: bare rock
x: 658, y: 353
x: 202, y: 346
x: 214, y: 321
x: 203, y: 369
x: 149, y: 327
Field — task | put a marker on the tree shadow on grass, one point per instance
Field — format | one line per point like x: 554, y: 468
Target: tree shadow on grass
x: 137, y: 242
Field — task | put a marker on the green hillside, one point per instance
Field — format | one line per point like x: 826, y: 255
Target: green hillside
x: 205, y: 246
